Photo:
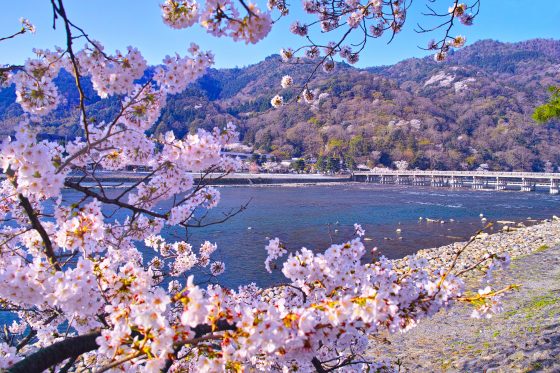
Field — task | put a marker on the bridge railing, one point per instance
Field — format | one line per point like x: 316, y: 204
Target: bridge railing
x: 534, y: 175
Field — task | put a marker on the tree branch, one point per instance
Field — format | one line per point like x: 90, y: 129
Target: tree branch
x: 112, y: 201
x: 317, y: 365
x: 36, y: 224
x: 56, y: 353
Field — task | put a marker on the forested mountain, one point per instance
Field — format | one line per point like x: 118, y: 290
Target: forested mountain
x: 474, y: 108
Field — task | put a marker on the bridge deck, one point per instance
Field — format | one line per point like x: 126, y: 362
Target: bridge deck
x: 467, y: 174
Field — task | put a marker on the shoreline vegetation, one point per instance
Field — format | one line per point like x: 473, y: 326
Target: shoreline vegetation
x: 525, y: 337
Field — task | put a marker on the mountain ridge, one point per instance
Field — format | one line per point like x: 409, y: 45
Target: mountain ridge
x: 473, y: 109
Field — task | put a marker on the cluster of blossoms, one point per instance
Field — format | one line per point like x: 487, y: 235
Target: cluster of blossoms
x: 27, y: 26
x: 312, y: 98
x: 31, y: 165
x: 110, y: 75
x: 287, y: 81
x: 299, y: 28
x: 460, y: 10
x: 498, y: 261
x: 8, y: 356
x: 444, y: 46
x: 143, y: 107
x: 186, y: 259
x: 179, y: 14
x: 207, y: 197
x: 275, y: 249
x: 219, y: 18
x: 277, y: 101
x: 80, y: 229
x: 286, y: 54
x: 176, y: 72
x: 35, y: 90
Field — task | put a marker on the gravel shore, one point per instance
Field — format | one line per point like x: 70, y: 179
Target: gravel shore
x: 524, y: 338
x: 517, y: 242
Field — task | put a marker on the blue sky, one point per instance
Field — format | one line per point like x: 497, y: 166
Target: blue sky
x: 119, y: 23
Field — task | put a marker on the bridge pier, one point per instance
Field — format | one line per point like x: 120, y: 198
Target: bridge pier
x: 403, y: 180
x: 387, y: 179
x: 501, y: 184
x: 477, y: 183
x: 456, y: 182
x: 554, y: 186
x: 527, y: 185
x: 438, y: 181
x: 420, y: 180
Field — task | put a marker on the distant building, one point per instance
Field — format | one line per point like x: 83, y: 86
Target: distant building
x: 362, y: 167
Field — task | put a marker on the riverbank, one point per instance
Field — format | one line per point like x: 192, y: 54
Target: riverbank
x: 516, y: 241
x: 524, y: 338
x: 108, y: 177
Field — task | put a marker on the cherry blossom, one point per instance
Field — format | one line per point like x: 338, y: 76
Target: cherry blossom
x: 277, y: 101
x: 27, y: 25
x: 287, y: 81
x: 8, y: 356
x: 359, y: 230
x: 179, y: 14
x: 275, y: 250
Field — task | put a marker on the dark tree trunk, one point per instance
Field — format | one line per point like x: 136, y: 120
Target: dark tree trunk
x: 56, y: 353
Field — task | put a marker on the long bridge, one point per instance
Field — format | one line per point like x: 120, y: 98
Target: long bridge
x: 524, y: 181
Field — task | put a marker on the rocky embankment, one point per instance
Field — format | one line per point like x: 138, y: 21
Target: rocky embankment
x: 525, y: 337
x: 518, y: 242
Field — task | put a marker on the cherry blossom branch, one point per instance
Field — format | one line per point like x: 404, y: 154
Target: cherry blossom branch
x: 35, y: 222
x: 249, y: 10
x: 25, y: 341
x: 108, y: 133
x: 69, y: 40
x: 66, y: 368
x: 56, y: 353
x: 112, y: 201
x: 76, y: 346
x: 147, y: 177
x: 22, y: 31
x: 120, y: 361
x: 6, y: 69
x: 303, y: 295
x: 458, y: 254
x: 226, y: 217
x: 489, y: 295
x: 318, y: 365
x: 199, y: 332
x: 26, y: 26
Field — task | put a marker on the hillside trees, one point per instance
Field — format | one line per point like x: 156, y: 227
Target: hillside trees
x: 437, y: 113
x: 549, y: 110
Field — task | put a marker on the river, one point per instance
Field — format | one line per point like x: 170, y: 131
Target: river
x: 311, y: 215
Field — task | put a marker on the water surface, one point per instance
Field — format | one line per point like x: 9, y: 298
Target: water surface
x: 311, y: 215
